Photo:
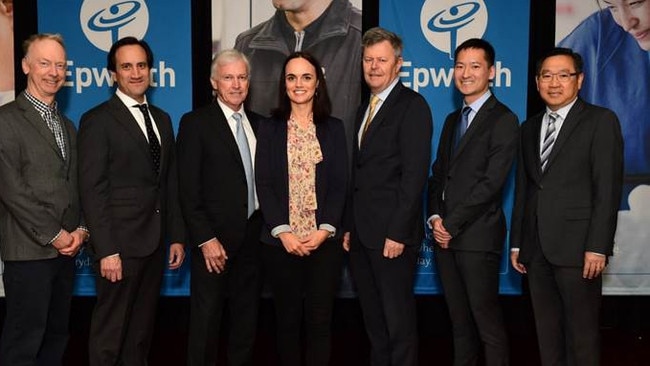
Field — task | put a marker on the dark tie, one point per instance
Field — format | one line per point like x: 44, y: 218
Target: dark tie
x: 154, y: 144
x: 462, y: 124
x: 549, y: 140
x: 245, y: 152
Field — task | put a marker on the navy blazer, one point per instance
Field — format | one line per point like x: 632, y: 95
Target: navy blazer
x: 272, y: 175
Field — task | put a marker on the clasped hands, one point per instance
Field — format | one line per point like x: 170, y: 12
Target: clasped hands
x: 303, y: 246
x: 69, y: 243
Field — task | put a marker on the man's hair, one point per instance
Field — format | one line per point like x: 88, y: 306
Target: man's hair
x: 322, y: 107
x: 225, y: 57
x: 377, y: 34
x: 128, y: 41
x: 41, y: 37
x: 559, y: 51
x: 479, y: 44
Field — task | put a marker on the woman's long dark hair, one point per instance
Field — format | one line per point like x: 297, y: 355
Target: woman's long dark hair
x: 322, y: 107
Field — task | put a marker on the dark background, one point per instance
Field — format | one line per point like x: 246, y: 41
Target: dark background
x: 625, y: 326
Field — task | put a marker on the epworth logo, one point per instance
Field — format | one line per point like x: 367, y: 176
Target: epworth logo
x: 447, y: 23
x: 104, y: 22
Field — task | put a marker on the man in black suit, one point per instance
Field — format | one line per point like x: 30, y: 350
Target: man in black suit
x: 221, y: 210
x: 391, y: 160
x: 476, y: 150
x: 129, y: 194
x: 568, y: 190
x: 40, y: 213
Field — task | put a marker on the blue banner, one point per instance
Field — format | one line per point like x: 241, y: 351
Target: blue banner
x: 431, y: 30
x: 89, y: 28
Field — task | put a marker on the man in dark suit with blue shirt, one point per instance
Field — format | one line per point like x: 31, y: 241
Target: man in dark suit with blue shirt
x: 219, y: 203
x: 389, y: 173
x: 477, y: 147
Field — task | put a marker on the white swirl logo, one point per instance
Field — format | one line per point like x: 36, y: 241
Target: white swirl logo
x: 104, y: 22
x: 447, y: 23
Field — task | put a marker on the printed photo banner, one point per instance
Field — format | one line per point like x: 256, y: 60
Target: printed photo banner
x: 431, y: 31
x: 89, y: 28
x: 617, y: 70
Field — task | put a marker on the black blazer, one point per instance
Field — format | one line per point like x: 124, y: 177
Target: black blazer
x: 390, y: 170
x: 214, y: 192
x: 466, y: 185
x: 128, y: 208
x: 572, y: 206
x: 272, y: 175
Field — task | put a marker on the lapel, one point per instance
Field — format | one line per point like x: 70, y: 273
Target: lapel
x: 570, y: 123
x: 531, y: 148
x: 160, y: 119
x: 124, y: 118
x: 222, y: 132
x: 381, y: 115
x: 474, y: 127
x: 34, y: 118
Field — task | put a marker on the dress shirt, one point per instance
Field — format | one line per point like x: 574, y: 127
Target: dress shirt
x: 132, y: 105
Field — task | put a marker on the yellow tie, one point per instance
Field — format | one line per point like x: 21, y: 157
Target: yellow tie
x: 371, y: 113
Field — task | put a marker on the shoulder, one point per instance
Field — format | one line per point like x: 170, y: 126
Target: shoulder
x: 244, y: 38
x: 97, y: 111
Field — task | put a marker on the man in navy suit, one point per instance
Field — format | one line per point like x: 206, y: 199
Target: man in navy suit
x: 568, y: 191
x: 476, y: 150
x: 129, y: 194
x: 224, y: 231
x: 390, y: 164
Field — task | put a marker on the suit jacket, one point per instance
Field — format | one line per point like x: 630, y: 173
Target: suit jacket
x: 38, y: 187
x: 272, y: 175
x: 390, y: 170
x: 214, y: 191
x: 130, y: 209
x: 466, y: 186
x: 572, y: 206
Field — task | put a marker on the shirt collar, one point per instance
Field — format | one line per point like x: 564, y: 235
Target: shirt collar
x: 477, y: 104
x: 384, y: 93
x: 227, y: 111
x: 127, y: 100
x: 564, y: 111
x: 41, y: 106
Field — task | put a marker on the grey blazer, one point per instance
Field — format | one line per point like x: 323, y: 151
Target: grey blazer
x: 38, y: 187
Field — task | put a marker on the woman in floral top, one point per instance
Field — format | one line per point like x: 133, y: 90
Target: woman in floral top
x: 301, y: 176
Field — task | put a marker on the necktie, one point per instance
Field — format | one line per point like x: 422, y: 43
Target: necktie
x: 549, y: 140
x: 245, y: 152
x: 462, y: 124
x: 154, y: 144
x: 371, y: 113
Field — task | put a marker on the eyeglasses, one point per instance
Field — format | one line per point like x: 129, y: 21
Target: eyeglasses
x: 562, y: 77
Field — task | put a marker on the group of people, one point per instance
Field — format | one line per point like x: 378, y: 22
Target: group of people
x: 283, y: 198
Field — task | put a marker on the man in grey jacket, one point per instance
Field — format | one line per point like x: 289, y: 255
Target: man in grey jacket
x: 40, y: 214
x: 330, y: 30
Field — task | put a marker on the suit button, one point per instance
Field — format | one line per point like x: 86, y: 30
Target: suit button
x: 157, y: 211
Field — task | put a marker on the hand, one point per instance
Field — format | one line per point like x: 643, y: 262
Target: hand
x: 111, y: 268
x: 594, y: 265
x: 440, y: 234
x: 514, y: 259
x: 315, y: 239
x: 176, y: 255
x: 392, y: 249
x: 346, y: 241
x: 63, y: 241
x: 215, y: 256
x: 292, y: 244
x: 78, y: 238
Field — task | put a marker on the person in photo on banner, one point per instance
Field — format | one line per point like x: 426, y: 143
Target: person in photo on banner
x: 330, y: 30
x: 567, y: 194
x: 220, y: 208
x: 391, y: 157
x: 7, y: 55
x: 615, y: 44
x: 301, y: 173
x: 129, y: 193
x: 477, y: 147
x: 41, y: 225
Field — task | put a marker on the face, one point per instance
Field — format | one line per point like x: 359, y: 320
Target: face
x: 301, y: 81
x: 380, y: 66
x: 45, y: 67
x: 230, y: 82
x: 132, y: 71
x: 472, y: 74
x: 634, y: 17
x: 555, y: 93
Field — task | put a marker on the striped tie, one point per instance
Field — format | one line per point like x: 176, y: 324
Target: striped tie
x: 549, y: 140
